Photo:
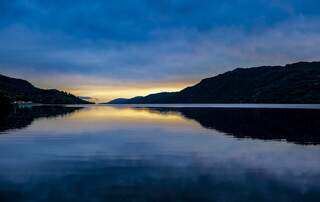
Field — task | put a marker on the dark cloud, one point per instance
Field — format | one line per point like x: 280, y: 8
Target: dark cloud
x: 132, y: 20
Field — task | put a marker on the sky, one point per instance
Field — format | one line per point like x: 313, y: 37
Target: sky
x: 124, y: 48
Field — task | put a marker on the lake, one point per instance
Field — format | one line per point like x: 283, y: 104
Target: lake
x: 161, y: 153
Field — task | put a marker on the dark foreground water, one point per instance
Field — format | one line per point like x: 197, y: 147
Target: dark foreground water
x: 104, y: 153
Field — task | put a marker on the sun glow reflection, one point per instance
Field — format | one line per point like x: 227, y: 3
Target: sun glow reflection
x: 102, y: 118
x: 126, y: 114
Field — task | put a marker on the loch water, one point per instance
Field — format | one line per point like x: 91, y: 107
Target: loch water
x: 156, y: 153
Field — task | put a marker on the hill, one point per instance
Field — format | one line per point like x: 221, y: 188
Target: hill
x: 21, y: 90
x: 4, y: 104
x: 293, y: 83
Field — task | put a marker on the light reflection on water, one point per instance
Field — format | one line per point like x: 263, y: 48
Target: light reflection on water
x: 103, y: 153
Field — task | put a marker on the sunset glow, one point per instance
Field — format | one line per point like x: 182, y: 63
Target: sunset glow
x: 107, y: 93
x: 112, y: 49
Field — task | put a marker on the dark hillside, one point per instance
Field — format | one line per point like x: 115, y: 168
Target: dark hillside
x: 21, y: 90
x: 294, y: 83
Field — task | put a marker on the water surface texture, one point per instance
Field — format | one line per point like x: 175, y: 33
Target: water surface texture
x: 160, y: 153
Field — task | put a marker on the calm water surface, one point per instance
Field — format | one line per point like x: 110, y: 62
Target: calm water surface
x: 160, y: 153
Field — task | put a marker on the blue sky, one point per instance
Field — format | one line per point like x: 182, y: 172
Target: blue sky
x: 111, y: 48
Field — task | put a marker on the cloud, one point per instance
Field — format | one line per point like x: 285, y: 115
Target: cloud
x: 147, y: 43
x: 174, y: 55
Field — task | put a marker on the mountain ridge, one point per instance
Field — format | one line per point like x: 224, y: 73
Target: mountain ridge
x: 21, y: 90
x: 292, y: 83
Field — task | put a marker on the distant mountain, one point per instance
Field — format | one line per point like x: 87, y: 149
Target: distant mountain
x: 293, y: 83
x: 118, y: 101
x: 21, y: 90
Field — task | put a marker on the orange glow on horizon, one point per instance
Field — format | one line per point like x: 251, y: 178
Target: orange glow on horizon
x: 107, y: 93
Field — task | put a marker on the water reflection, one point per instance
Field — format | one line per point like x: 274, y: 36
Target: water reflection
x: 301, y: 126
x: 18, y: 118
x: 104, y: 153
